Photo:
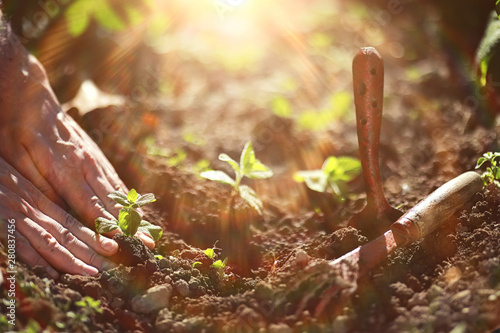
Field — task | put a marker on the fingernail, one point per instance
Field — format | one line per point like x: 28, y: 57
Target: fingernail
x: 52, y: 272
x: 89, y: 270
x: 109, y: 245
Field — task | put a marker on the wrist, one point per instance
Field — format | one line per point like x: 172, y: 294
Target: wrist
x: 11, y: 49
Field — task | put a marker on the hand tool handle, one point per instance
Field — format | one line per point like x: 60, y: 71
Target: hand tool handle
x: 429, y: 213
x: 368, y: 83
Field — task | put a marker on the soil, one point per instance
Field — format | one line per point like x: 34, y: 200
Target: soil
x: 434, y: 128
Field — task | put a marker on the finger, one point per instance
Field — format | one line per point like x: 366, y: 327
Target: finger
x: 49, y: 248
x: 107, y: 168
x: 71, y: 234
x: 30, y: 172
x: 29, y: 256
x: 101, y: 245
x: 86, y: 203
x: 98, y: 182
x: 146, y: 239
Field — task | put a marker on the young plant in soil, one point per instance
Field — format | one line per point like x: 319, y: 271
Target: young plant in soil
x: 129, y: 219
x: 218, y: 265
x: 492, y: 173
x: 250, y: 167
x: 130, y: 222
x: 333, y: 175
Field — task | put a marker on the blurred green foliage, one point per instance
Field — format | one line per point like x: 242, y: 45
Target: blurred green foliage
x: 337, y: 109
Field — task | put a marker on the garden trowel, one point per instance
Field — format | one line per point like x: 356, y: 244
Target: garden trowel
x: 342, y: 273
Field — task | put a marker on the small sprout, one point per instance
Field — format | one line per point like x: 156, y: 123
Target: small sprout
x: 129, y: 219
x: 492, y: 173
x: 219, y: 264
x: 250, y: 167
x: 209, y: 253
x: 334, y: 174
x: 158, y: 257
x: 91, y: 305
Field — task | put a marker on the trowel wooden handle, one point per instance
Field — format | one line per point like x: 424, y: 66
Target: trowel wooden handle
x: 368, y: 85
x: 429, y: 213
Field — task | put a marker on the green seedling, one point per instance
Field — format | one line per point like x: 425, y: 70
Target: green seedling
x: 334, y: 175
x: 219, y: 265
x: 129, y: 219
x: 250, y: 167
x: 492, y: 173
x: 209, y: 253
x: 90, y: 305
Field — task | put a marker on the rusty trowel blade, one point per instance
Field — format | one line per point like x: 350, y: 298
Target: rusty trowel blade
x: 355, y: 264
x: 360, y: 260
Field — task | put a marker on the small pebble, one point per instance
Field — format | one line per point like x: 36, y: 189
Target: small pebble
x: 182, y: 287
x: 301, y: 258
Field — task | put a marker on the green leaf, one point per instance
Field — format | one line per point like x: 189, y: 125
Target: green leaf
x: 348, y: 168
x: 483, y: 71
x: 281, y: 107
x: 251, y: 166
x: 196, y: 263
x: 119, y: 197
x: 145, y: 199
x: 247, y: 157
x: 129, y: 220
x: 103, y: 225
x: 209, y: 253
x: 488, y: 46
x: 218, y: 176
x: 219, y: 264
x: 232, y: 163
x: 132, y: 196
x: 149, y: 228
x: 316, y: 180
x: 480, y: 162
x: 258, y: 171
x: 77, y: 17
x: 343, y: 168
x: 330, y: 165
x: 106, y: 16
x: 497, y: 173
x: 497, y: 8
x: 250, y: 197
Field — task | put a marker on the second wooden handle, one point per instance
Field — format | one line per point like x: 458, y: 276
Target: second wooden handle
x: 431, y: 212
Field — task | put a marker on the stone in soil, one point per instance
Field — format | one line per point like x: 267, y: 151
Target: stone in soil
x: 155, y: 298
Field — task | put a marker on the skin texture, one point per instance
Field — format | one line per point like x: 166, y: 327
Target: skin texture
x: 46, y: 155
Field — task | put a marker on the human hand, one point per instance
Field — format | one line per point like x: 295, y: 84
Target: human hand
x: 46, y: 146
x: 46, y: 235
